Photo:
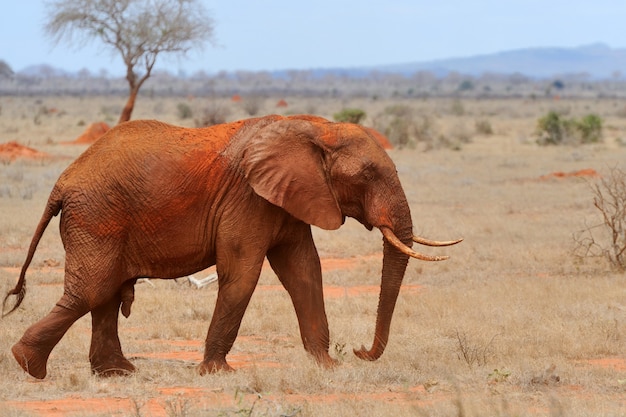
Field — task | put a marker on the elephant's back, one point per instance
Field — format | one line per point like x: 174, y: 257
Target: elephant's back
x: 137, y: 153
x: 153, y: 136
x: 134, y: 142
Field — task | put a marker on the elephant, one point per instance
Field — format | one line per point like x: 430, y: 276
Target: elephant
x: 153, y: 200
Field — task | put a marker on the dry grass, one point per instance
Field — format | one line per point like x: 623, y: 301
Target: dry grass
x: 507, y: 327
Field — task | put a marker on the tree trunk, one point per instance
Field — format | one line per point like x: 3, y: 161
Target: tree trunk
x: 130, y: 105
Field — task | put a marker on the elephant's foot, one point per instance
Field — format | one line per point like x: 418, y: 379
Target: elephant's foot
x: 31, y: 359
x: 213, y: 366
x: 324, y: 360
x: 112, y: 366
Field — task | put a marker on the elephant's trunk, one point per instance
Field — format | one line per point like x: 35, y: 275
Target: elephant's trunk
x: 397, y: 228
x: 398, y: 239
x: 394, y: 266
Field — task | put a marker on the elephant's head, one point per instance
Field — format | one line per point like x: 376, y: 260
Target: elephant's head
x: 320, y: 172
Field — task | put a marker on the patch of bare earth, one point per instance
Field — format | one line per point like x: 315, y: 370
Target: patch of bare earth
x: 92, y: 133
x: 207, y: 399
x: 581, y: 173
x: 617, y: 364
x: 11, y: 151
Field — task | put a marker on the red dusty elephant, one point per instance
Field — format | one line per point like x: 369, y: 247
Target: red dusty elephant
x: 154, y: 200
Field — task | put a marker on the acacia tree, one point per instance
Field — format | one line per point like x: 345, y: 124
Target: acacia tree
x: 139, y: 30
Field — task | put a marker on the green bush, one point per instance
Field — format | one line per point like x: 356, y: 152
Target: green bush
x: 184, y: 111
x: 551, y: 129
x: 590, y: 128
x: 349, y: 116
x: 555, y: 129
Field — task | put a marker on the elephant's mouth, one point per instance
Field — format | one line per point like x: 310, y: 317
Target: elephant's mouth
x: 364, y: 222
x: 367, y: 225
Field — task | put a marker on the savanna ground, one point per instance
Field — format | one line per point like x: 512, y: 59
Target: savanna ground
x: 512, y: 325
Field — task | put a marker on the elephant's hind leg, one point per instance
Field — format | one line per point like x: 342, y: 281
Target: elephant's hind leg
x: 33, y: 349
x: 105, y: 354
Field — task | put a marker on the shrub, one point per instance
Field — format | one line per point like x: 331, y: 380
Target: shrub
x: 590, y: 128
x: 474, y: 353
x: 404, y: 128
x: 398, y: 124
x: 459, y: 135
x: 552, y: 129
x: 555, y: 129
x: 483, y: 127
x: 609, y: 197
x: 213, y: 114
x: 457, y: 108
x: 184, y: 111
x: 349, y: 116
x: 252, y: 105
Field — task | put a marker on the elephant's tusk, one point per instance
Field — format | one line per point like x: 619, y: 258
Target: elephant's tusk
x: 428, y: 242
x: 393, y: 239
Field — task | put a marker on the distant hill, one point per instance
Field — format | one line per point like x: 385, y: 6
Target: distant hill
x: 44, y: 71
x: 598, y: 61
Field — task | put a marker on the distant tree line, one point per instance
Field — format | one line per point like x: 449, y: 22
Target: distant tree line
x: 420, y: 85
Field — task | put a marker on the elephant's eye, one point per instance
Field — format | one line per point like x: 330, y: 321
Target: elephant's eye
x: 369, y: 173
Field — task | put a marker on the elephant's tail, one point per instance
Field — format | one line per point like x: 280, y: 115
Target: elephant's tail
x: 53, y: 208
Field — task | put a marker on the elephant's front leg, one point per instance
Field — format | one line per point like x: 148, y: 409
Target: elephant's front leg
x: 237, y: 280
x: 105, y: 354
x: 297, y: 265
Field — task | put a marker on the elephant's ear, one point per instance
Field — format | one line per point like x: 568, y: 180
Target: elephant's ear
x: 284, y: 163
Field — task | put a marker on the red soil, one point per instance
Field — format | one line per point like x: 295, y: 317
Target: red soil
x: 618, y: 364
x: 11, y: 151
x: 192, y: 350
x: 93, y: 132
x: 207, y: 398
x: 588, y: 172
x: 281, y: 103
x: 161, y: 404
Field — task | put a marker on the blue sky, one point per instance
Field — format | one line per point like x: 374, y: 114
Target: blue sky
x: 291, y: 34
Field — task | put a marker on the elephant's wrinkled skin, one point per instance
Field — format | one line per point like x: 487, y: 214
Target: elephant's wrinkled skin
x: 153, y: 200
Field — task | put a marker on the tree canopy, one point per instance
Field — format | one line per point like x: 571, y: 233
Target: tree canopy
x: 138, y: 30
